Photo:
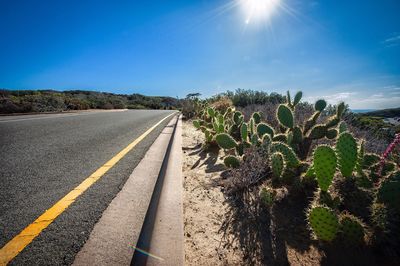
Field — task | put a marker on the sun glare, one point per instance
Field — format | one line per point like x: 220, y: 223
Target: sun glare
x: 259, y: 10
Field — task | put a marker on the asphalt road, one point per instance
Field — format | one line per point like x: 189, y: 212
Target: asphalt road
x: 43, y: 157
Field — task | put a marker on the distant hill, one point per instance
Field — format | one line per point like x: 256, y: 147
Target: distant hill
x: 386, y: 113
x: 23, y: 101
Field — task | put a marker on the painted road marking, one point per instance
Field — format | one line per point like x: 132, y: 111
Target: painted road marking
x: 26, y: 236
x: 56, y: 115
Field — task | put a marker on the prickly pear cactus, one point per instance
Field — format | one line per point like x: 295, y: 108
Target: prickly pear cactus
x: 297, y: 98
x: 320, y: 105
x: 317, y: 132
x: 210, y: 112
x: 267, y: 196
x: 346, y: 149
x: 342, y: 127
x: 277, y: 164
x: 285, y: 116
x: 331, y: 133
x: 263, y: 129
x: 196, y: 124
x: 351, y: 228
x: 225, y: 141
x: 297, y: 135
x: 231, y: 161
x: 324, y: 166
x: 323, y: 222
x: 290, y: 156
x: 389, y: 191
x: 257, y: 117
x: 237, y: 118
x: 244, y: 132
x: 280, y: 137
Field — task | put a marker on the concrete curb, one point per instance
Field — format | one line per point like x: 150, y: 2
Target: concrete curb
x: 162, y: 233
x: 115, y: 235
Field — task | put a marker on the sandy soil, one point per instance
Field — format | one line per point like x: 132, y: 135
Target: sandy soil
x: 204, y: 208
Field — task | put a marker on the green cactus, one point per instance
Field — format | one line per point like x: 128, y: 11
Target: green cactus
x: 340, y: 109
x: 263, y: 129
x: 244, y: 132
x: 331, y: 133
x: 267, y: 196
x: 346, y: 149
x: 351, y: 228
x: 324, y: 166
x: 225, y: 141
x: 237, y: 118
x: 290, y: 156
x: 317, y: 132
x: 196, y: 124
x: 255, y: 140
x: 360, y: 159
x: 323, y: 222
x: 370, y: 159
x: 342, y: 127
x: 297, y: 135
x: 277, y: 164
x: 320, y: 105
x: 288, y: 100
x: 231, y: 161
x: 332, y: 122
x: 389, y: 191
x: 280, y: 137
x: 297, y: 98
x: 211, y: 112
x: 251, y: 126
x: 257, y: 117
x: 285, y: 116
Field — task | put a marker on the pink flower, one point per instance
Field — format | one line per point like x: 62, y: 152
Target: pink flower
x: 387, y: 152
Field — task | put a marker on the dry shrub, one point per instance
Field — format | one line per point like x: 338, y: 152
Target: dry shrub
x: 222, y: 104
x: 252, y: 170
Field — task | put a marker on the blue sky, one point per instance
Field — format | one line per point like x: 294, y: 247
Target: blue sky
x: 339, y: 50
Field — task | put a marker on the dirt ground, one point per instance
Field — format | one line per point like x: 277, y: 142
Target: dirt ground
x: 221, y: 229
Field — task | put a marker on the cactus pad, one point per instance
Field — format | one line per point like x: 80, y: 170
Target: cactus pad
x: 225, y: 141
x: 324, y: 166
x: 267, y: 196
x: 257, y: 117
x: 196, y: 124
x: 346, y: 149
x: 231, y: 161
x: 317, y: 132
x: 280, y: 137
x: 277, y: 164
x: 297, y: 98
x: 263, y: 129
x: 342, y: 127
x: 351, y: 228
x: 237, y: 117
x: 297, y: 135
x: 340, y: 109
x: 323, y: 222
x: 211, y: 112
x: 389, y: 191
x: 244, y: 133
x: 320, y: 105
x: 288, y: 153
x: 331, y: 133
x: 285, y: 116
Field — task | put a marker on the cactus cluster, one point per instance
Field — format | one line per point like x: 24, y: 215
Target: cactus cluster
x: 287, y: 148
x: 349, y: 161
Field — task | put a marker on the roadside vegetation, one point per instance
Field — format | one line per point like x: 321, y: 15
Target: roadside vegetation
x: 23, y: 101
x: 301, y: 175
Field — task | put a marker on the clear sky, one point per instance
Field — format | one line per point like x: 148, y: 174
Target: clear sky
x: 339, y: 50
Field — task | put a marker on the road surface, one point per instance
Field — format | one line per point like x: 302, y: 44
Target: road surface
x: 43, y: 157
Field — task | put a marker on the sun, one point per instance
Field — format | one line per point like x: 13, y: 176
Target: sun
x: 259, y: 10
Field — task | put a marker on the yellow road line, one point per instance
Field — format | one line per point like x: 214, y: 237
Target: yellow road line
x: 26, y: 236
